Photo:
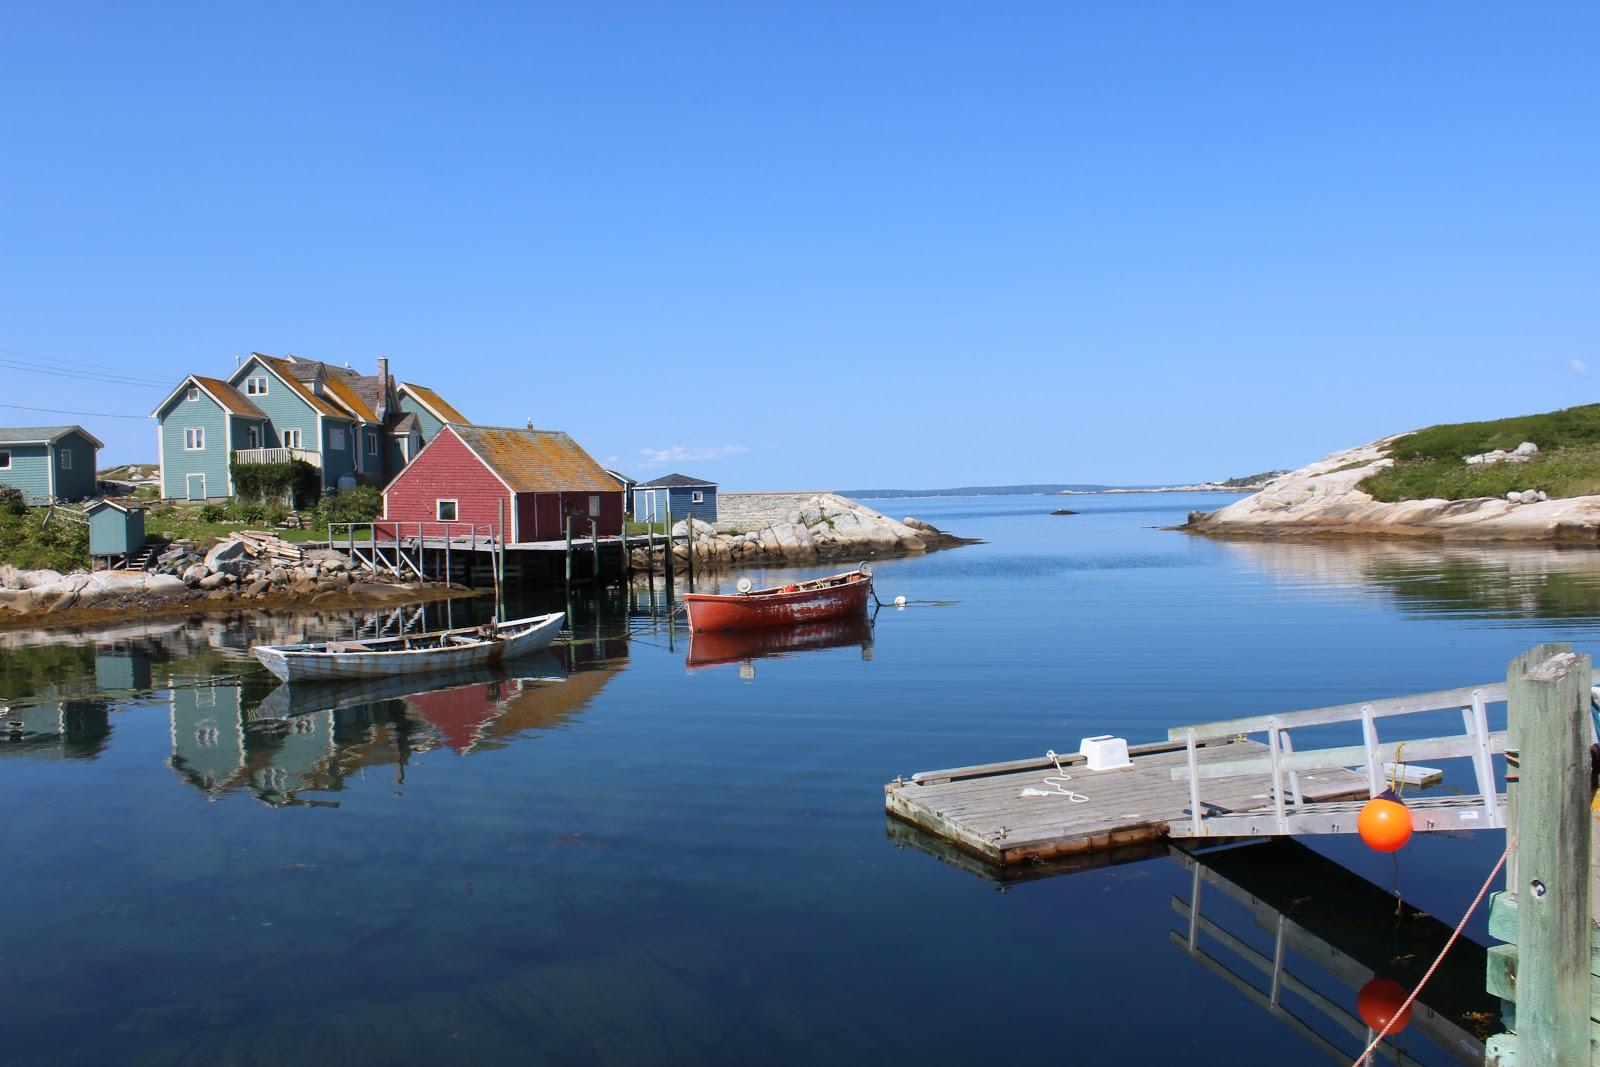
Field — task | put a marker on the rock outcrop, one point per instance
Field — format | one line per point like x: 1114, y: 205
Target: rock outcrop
x: 248, y: 567
x: 824, y: 526
x: 1325, y: 499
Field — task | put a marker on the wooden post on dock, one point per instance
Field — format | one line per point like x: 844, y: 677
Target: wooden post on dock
x: 688, y: 544
x: 498, y: 562
x: 569, y: 551
x: 594, y: 549
x: 447, y: 568
x: 1547, y: 907
x: 668, y: 561
x: 627, y: 557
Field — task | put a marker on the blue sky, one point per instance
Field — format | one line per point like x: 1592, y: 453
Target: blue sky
x: 818, y: 245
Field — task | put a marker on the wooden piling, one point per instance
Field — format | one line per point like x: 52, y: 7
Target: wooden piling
x: 569, y: 551
x: 1548, y: 732
x: 667, y: 559
x: 497, y: 562
x: 594, y: 549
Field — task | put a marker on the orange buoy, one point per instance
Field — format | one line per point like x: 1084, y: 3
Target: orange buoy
x: 1378, y: 1002
x: 1385, y: 823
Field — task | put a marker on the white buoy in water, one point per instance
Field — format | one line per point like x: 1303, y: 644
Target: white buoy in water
x: 899, y: 601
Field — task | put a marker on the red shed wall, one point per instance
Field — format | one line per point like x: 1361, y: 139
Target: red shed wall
x: 446, y: 470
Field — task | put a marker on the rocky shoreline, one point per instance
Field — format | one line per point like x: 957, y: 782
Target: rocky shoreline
x: 1323, y: 500
x: 229, y: 576
x: 825, y: 527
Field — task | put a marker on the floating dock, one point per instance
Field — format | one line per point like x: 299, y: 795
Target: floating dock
x: 984, y: 812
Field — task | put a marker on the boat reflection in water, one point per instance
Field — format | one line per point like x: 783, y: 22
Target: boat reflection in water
x: 300, y: 698
x: 744, y: 646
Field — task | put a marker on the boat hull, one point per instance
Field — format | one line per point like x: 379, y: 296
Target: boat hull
x: 710, y: 612
x: 307, y: 663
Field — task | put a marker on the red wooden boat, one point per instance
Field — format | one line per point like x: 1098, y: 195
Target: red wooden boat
x: 833, y: 597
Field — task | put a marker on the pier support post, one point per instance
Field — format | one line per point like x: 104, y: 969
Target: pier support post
x: 569, y: 551
x: 667, y: 559
x: 594, y: 549
x: 1548, y: 732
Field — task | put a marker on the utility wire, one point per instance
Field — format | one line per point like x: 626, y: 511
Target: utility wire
x: 88, y: 376
x: 53, y: 360
x: 60, y: 411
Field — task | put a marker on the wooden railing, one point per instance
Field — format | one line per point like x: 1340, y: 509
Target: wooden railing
x: 277, y: 455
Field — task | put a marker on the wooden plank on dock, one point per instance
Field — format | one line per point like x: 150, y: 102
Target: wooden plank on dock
x: 984, y: 812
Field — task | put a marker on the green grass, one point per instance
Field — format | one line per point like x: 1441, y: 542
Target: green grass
x: 1567, y: 428
x: 1430, y: 464
x: 61, y: 546
x: 170, y: 522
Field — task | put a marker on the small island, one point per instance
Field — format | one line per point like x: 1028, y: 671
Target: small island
x: 1526, y: 478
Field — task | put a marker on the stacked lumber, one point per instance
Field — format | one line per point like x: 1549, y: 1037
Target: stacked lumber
x: 269, y: 547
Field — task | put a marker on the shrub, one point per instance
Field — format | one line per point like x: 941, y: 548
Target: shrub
x: 296, y: 481
x: 361, y: 504
x: 213, y: 512
x: 11, y: 502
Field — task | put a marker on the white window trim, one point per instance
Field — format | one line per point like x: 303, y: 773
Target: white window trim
x: 372, y: 444
x: 336, y: 439
x: 193, y: 394
x: 250, y: 388
x: 288, y: 435
x: 197, y: 434
x: 253, y: 435
x: 64, y: 458
x: 438, y: 510
x: 594, y: 507
x: 697, y: 496
x: 5, y: 459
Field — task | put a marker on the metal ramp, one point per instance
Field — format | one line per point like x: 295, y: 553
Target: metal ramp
x: 1289, y: 812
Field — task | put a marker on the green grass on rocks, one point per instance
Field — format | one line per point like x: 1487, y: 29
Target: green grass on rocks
x: 1431, y: 464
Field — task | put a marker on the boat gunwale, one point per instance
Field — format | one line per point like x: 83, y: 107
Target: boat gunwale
x: 502, y: 633
x: 809, y: 587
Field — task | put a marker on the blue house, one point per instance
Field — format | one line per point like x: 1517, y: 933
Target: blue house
x: 49, y: 464
x: 682, y: 494
x: 354, y: 428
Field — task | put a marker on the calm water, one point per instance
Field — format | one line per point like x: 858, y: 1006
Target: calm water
x: 622, y: 860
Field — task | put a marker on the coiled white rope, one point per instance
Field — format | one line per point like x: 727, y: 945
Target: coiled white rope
x: 1056, y: 782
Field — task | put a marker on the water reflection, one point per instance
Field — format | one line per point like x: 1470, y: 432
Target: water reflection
x: 743, y: 646
x: 1506, y: 583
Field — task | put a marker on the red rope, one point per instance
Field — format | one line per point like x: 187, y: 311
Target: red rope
x: 1487, y: 882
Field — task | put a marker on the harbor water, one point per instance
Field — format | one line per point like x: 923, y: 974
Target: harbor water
x: 633, y: 850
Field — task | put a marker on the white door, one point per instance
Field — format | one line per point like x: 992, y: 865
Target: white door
x: 196, y: 486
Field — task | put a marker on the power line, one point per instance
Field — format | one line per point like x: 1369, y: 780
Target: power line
x: 89, y: 414
x: 52, y: 360
x: 143, y: 383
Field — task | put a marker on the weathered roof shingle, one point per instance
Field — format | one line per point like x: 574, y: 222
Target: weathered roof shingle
x: 536, y: 461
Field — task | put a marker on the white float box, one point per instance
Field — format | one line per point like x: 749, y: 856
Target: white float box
x: 1105, y: 753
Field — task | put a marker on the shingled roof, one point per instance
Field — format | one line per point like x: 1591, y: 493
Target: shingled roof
x: 434, y: 403
x: 536, y: 461
x: 42, y: 435
x: 677, y: 481
x: 285, y: 369
x: 229, y: 397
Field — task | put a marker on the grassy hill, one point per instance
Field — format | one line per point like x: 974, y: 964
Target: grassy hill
x: 1431, y: 463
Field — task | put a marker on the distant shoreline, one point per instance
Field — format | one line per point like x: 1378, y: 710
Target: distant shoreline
x: 910, y: 494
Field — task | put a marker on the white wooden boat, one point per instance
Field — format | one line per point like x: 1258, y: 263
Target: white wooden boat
x: 441, y: 650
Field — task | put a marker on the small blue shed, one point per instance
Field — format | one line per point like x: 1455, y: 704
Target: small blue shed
x: 683, y: 494
x: 115, y: 530
x: 49, y: 464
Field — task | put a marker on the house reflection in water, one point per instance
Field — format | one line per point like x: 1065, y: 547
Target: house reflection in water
x: 282, y: 749
x: 67, y: 729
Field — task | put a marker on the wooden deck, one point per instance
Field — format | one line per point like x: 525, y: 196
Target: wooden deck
x: 980, y: 810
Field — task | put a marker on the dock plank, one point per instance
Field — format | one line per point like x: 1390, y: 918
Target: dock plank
x: 981, y: 811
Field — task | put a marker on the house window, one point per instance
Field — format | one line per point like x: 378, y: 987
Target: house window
x: 65, y: 459
x: 255, y: 437
x: 5, y: 461
x: 336, y: 440
x: 698, y: 496
x: 594, y: 507
x: 255, y: 386
x: 194, y: 439
x: 291, y: 438
x: 194, y: 394
x: 445, y: 510
x: 372, y: 444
